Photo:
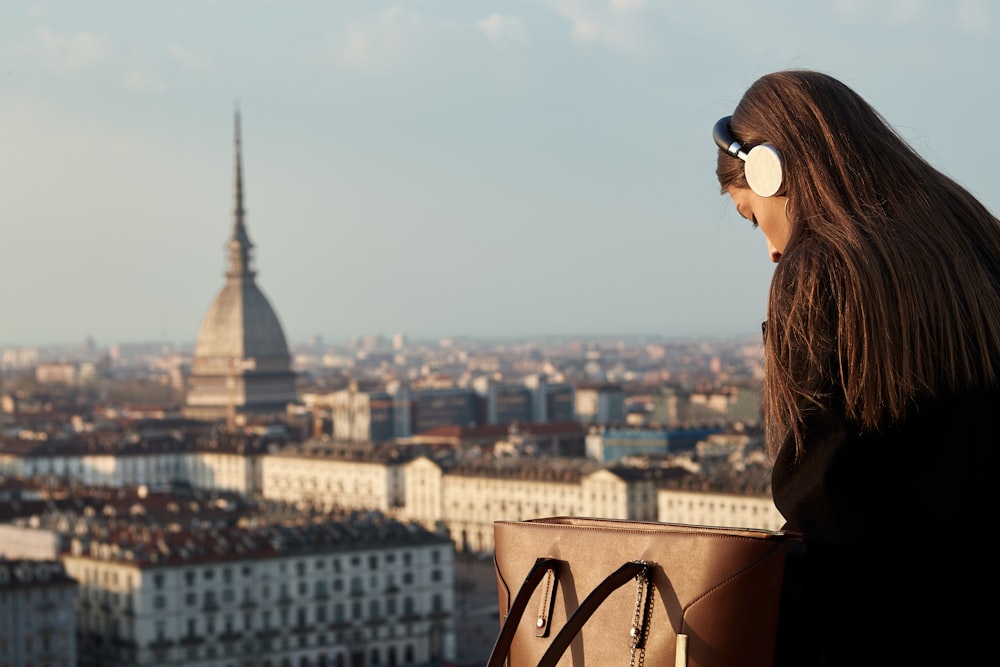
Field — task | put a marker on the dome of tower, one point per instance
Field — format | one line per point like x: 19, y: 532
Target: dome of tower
x: 241, y: 324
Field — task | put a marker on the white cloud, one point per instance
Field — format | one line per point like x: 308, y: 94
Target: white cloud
x: 382, y: 41
x: 501, y: 29
x: 73, y: 53
x: 905, y: 11
x: 975, y: 16
x: 617, y: 23
x: 136, y: 79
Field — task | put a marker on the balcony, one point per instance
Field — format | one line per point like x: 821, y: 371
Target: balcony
x: 191, y: 640
x: 230, y: 636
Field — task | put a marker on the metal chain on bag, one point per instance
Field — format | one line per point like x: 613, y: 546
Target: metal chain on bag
x: 643, y: 610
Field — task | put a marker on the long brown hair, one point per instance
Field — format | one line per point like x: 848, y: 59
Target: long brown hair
x: 888, y: 291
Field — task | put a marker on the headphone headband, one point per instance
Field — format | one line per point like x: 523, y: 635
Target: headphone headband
x: 762, y: 163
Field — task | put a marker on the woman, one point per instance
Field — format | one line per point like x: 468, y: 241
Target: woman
x: 882, y: 386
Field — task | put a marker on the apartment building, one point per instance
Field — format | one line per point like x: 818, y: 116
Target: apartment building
x: 336, y: 476
x: 600, y: 403
x: 37, y: 624
x: 468, y: 499
x: 718, y: 509
x: 361, y: 592
x: 225, y: 462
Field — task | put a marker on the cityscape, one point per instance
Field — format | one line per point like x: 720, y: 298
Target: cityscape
x: 501, y: 284
x: 105, y: 475
x: 214, y: 541
x: 243, y: 501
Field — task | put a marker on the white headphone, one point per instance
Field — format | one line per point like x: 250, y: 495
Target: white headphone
x: 763, y: 168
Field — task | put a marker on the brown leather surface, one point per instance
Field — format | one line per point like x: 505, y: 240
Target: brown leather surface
x: 719, y: 586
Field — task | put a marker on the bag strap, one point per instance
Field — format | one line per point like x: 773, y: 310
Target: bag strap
x: 627, y: 572
x: 538, y: 571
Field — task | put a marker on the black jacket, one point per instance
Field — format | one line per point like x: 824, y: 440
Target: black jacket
x: 898, y: 564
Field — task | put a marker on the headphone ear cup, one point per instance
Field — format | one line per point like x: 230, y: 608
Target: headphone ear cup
x: 763, y: 170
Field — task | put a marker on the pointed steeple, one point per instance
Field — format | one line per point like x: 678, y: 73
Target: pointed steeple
x: 239, y: 244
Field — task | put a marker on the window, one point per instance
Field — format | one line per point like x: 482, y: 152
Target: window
x: 159, y: 602
x: 158, y: 581
x: 189, y: 577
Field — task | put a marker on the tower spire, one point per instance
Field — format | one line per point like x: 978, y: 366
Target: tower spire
x: 239, y: 245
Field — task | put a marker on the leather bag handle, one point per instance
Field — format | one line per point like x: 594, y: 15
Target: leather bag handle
x: 538, y: 571
x: 627, y: 572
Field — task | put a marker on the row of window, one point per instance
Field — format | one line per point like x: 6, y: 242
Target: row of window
x: 337, y: 613
x: 374, y: 562
x: 320, y: 589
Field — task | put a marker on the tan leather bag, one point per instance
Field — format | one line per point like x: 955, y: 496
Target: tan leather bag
x: 603, y: 592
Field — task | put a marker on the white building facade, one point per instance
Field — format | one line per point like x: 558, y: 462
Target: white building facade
x: 375, y: 597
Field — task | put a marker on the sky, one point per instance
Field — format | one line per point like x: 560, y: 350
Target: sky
x: 438, y: 168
